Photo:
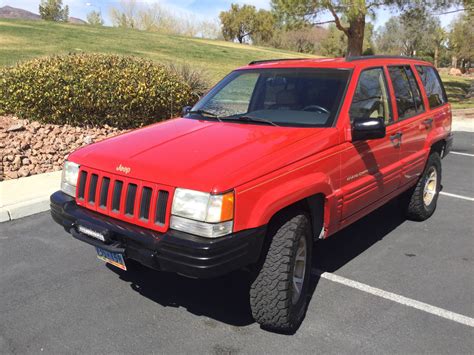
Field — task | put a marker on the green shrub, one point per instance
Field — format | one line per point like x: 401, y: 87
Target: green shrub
x: 197, y: 79
x: 93, y: 89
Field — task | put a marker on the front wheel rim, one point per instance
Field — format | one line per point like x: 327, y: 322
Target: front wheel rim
x: 299, y: 270
x: 431, y: 185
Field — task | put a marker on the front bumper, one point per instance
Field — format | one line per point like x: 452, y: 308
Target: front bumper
x: 172, y: 251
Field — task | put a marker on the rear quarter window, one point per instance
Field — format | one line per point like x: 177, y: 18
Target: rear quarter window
x: 433, y: 86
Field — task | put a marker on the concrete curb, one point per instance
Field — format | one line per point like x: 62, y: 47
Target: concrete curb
x: 24, y: 209
x: 26, y: 196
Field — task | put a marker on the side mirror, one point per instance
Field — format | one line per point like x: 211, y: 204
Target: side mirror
x: 368, y: 128
x: 186, y: 110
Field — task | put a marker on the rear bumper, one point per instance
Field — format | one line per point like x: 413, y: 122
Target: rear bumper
x: 172, y: 251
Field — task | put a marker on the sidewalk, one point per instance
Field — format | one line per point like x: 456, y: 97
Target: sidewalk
x: 463, y: 120
x: 26, y: 196
x: 463, y: 123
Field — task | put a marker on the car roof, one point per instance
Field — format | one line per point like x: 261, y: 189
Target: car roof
x: 336, y: 63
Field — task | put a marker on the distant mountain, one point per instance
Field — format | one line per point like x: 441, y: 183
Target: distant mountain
x: 77, y: 21
x: 13, y: 12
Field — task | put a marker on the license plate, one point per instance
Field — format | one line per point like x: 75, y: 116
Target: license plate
x: 115, y: 259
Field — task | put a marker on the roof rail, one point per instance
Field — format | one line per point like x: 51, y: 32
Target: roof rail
x: 274, y: 60
x: 363, y: 57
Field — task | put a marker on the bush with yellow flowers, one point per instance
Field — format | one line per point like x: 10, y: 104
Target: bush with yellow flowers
x: 93, y: 89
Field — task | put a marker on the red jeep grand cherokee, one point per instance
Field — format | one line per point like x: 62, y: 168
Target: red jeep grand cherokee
x: 279, y: 154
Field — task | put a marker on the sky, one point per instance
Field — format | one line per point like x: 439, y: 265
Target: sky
x: 205, y: 9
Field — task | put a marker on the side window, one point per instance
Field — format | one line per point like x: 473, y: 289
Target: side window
x: 407, y: 93
x: 371, y: 98
x: 415, y: 90
x: 433, y: 86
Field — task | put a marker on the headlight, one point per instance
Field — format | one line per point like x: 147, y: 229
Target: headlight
x: 202, y: 214
x: 69, y: 178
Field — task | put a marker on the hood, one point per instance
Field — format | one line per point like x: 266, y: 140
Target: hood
x: 196, y: 154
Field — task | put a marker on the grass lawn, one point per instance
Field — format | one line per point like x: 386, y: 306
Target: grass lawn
x: 21, y: 40
x: 457, y: 88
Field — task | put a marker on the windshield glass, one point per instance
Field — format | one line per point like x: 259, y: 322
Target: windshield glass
x: 284, y: 97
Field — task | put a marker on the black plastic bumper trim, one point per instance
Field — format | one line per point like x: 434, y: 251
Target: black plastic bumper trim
x: 449, y: 144
x: 172, y: 251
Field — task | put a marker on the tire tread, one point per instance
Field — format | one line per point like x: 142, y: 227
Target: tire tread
x: 270, y: 293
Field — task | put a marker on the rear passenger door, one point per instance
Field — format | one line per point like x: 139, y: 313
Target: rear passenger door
x: 413, y: 120
x: 439, y: 109
x: 370, y: 169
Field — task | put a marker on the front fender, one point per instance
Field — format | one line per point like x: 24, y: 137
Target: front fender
x: 256, y: 205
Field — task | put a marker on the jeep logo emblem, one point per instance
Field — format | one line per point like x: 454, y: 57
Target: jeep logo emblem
x: 123, y: 169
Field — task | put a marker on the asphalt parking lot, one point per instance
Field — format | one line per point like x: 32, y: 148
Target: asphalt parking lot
x: 387, y: 286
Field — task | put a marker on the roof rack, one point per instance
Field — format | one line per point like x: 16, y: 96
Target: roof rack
x: 363, y: 57
x: 274, y: 60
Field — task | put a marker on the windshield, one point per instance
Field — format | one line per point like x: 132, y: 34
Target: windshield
x: 283, y: 97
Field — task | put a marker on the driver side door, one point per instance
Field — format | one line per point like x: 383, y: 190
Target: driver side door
x: 370, y: 169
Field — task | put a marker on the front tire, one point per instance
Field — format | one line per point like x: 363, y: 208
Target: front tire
x: 279, y: 294
x: 424, y: 196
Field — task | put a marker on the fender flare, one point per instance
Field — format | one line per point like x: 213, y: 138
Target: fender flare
x: 273, y: 200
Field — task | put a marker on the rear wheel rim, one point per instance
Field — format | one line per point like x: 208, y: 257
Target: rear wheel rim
x: 431, y: 185
x: 299, y: 270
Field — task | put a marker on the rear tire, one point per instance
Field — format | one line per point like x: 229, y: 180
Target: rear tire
x: 424, y: 197
x: 279, y: 294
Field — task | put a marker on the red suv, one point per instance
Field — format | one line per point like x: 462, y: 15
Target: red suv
x: 279, y: 154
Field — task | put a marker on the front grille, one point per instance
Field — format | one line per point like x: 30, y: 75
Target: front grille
x: 134, y: 201
x: 160, y: 214
x: 104, y: 192
x: 130, y: 201
x: 93, y: 188
x: 82, y: 185
x: 145, y: 203
x: 117, y: 196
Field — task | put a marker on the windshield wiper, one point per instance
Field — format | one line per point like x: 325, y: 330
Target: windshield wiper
x: 249, y: 118
x: 206, y: 113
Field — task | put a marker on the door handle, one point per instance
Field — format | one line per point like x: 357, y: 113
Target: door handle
x: 396, y: 138
x: 428, y: 122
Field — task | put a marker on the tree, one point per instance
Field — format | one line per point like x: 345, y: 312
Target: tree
x: 94, y: 18
x: 292, y: 13
x: 155, y: 18
x: 53, y: 10
x: 461, y: 39
x: 335, y: 43
x: 439, y: 38
x: 415, y: 32
x: 245, y: 22
x: 211, y: 29
x: 389, y: 39
x: 126, y: 15
x: 264, y: 26
x: 419, y: 28
x: 304, y: 40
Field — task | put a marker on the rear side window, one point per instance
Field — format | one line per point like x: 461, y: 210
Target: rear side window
x: 407, y: 93
x: 433, y: 86
x: 371, y: 98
